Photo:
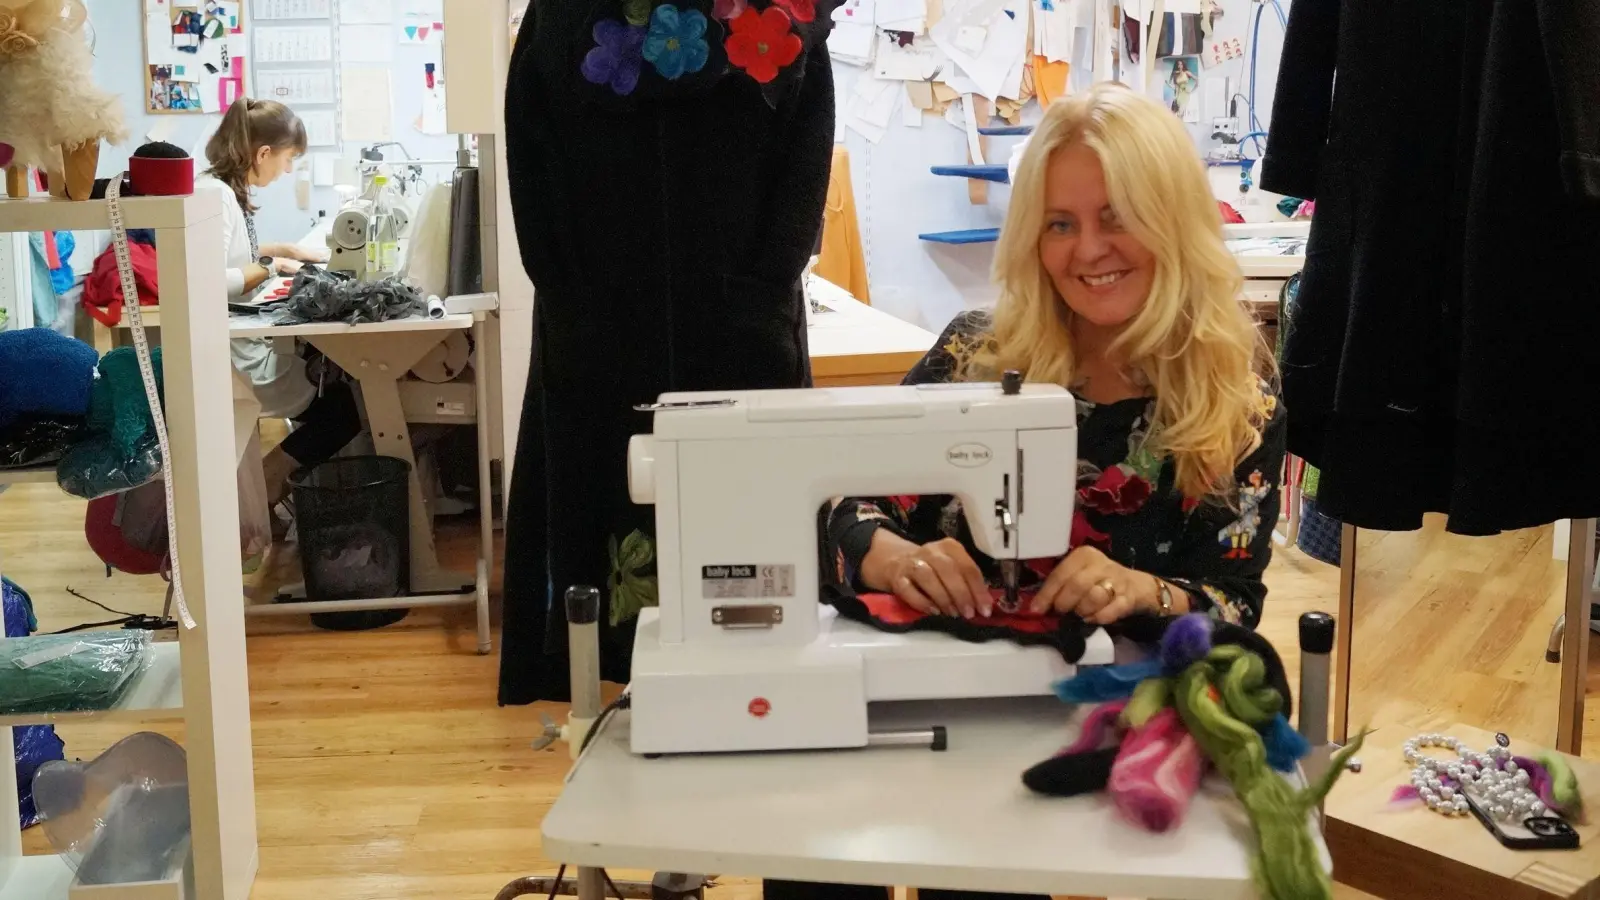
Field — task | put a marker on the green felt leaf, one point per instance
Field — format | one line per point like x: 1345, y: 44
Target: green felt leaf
x: 637, y: 12
x: 631, y: 591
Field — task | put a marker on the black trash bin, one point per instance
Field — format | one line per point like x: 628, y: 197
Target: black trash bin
x: 353, y: 515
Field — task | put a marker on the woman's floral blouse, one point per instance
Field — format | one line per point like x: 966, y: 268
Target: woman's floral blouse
x: 1216, y: 548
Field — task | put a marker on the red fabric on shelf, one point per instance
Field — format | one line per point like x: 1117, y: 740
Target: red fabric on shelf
x: 891, y: 610
x: 102, y: 290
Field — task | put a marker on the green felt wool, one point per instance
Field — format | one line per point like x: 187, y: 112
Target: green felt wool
x: 1213, y: 697
x: 1149, y: 698
x: 1563, y: 785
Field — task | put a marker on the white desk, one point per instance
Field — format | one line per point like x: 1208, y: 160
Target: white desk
x: 856, y: 344
x: 378, y: 355
x: 960, y: 819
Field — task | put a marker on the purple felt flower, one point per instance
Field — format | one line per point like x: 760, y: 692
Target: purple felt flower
x: 616, y: 58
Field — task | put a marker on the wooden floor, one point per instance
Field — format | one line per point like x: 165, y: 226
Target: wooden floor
x: 385, y: 771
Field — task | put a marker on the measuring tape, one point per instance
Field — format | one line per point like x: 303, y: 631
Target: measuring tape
x: 147, y: 374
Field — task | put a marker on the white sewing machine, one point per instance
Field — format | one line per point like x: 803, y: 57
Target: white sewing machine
x: 740, y: 655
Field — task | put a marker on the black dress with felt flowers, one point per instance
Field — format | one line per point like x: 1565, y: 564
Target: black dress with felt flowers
x: 668, y: 164
x: 1215, y: 548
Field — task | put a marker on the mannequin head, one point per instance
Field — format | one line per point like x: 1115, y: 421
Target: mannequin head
x: 257, y: 143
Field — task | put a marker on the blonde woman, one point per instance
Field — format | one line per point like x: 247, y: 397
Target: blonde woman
x: 1116, y: 283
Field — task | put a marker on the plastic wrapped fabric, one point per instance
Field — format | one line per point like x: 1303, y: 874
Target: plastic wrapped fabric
x: 122, y: 817
x: 35, y: 744
x: 428, y: 260
x: 70, y: 672
x: 38, y: 441
x: 121, y: 452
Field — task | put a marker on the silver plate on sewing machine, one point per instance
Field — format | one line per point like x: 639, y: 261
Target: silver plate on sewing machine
x: 758, y: 615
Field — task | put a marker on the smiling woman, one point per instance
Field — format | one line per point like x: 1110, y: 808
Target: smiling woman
x: 1115, y: 282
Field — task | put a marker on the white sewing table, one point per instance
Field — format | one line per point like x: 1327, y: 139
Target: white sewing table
x: 378, y: 355
x: 959, y: 819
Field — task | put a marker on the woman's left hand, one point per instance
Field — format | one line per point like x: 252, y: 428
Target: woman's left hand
x: 1090, y: 584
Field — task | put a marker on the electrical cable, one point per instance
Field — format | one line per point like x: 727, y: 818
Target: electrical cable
x: 624, y: 700
x: 128, y: 621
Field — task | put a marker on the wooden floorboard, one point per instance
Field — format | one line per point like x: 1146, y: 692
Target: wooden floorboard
x: 385, y: 771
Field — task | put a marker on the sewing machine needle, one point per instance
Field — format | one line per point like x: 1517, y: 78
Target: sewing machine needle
x: 1008, y: 571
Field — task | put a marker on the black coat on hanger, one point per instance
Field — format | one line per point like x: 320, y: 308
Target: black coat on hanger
x: 668, y: 183
x: 1443, y: 352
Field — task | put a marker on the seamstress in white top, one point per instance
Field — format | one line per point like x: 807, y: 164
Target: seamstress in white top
x: 258, y: 142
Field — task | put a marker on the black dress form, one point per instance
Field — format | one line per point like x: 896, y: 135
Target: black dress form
x: 667, y: 177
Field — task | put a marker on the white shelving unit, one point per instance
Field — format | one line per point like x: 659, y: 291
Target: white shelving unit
x: 202, y: 680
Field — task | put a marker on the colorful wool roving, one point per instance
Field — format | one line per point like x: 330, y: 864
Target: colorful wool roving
x: 1216, y: 695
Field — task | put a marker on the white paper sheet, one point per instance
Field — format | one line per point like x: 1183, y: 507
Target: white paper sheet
x: 186, y: 71
x: 856, y: 12
x: 294, y: 86
x: 852, y: 42
x: 1001, y: 41
x: 910, y: 115
x: 366, y: 12
x: 210, y: 94
x: 918, y: 61
x: 1055, y: 29
x: 321, y: 128
x: 290, y: 9
x: 954, y: 116
x: 887, y: 11
x: 969, y: 120
x: 322, y: 169
x: 158, y: 49
x: 872, y: 107
x: 368, y: 105
x: 365, y: 44
x: 277, y: 44
x: 161, y: 128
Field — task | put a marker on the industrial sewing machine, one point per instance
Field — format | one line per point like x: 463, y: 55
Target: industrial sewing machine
x: 740, y: 654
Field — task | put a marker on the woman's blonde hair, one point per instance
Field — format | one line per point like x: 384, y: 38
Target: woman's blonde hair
x: 1192, y: 337
x: 248, y: 126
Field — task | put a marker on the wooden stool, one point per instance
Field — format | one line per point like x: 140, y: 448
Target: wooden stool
x: 1417, y: 854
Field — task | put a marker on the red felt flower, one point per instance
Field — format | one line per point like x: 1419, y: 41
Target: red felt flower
x: 906, y: 502
x: 1116, y: 492
x: 1084, y: 533
x: 1189, y: 504
x: 801, y: 10
x: 762, y: 43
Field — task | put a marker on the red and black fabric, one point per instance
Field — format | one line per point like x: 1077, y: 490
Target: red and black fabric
x: 1068, y: 635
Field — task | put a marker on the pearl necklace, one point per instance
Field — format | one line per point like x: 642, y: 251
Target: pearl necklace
x: 1494, y: 779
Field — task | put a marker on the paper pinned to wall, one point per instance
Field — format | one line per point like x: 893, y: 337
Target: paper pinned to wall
x: 1001, y: 41
x: 368, y: 108
x: 852, y: 42
x: 211, y: 94
x: 860, y: 12
x: 917, y: 61
x: 290, y: 9
x: 321, y: 128
x: 901, y: 15
x: 365, y: 44
x: 910, y: 113
x: 294, y: 86
x: 366, y: 12
x: 969, y: 120
x: 279, y: 44
x: 872, y: 107
x: 322, y: 169
x: 1055, y: 29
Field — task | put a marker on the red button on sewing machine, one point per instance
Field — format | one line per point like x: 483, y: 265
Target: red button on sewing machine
x: 759, y: 707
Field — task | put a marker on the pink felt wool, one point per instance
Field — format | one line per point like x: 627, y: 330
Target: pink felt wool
x: 1156, y: 773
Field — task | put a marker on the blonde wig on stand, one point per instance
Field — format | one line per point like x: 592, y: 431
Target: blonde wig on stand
x: 1192, y: 338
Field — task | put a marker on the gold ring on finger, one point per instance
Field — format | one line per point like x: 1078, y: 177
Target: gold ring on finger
x: 1109, y: 588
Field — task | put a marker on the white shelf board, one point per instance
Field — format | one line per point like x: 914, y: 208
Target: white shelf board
x: 156, y: 696
x: 50, y: 214
x: 37, y: 878
x: 42, y: 475
x: 253, y: 326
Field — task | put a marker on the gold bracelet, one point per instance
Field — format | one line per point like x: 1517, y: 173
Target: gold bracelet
x: 1163, y: 596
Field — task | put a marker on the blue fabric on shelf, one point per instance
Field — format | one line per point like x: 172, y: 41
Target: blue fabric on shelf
x: 46, y: 304
x: 35, y: 744
x: 45, y: 373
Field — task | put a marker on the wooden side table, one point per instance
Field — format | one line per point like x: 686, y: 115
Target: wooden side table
x: 1417, y: 854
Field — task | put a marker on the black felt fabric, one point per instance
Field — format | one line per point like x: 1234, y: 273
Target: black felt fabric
x: 1072, y: 775
x: 665, y: 233
x: 1441, y: 354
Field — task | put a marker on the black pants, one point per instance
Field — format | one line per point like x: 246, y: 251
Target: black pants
x: 806, y: 890
x: 327, y: 425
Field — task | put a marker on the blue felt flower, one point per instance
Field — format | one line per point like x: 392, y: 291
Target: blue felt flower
x: 676, y: 45
x: 614, y: 61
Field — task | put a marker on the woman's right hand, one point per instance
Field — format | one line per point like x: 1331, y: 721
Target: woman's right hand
x: 937, y: 577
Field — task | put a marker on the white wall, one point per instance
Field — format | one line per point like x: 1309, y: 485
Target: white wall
x: 897, y: 197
